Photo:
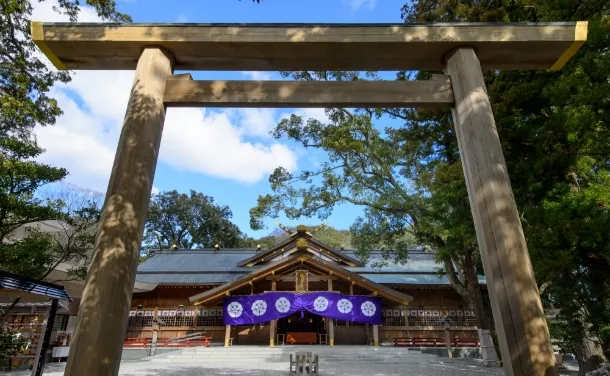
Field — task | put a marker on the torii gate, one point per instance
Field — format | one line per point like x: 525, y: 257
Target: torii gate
x: 462, y: 50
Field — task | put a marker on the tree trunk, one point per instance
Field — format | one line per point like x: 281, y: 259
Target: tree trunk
x: 589, y: 352
x: 474, y: 290
x: 489, y: 345
x: 470, y: 291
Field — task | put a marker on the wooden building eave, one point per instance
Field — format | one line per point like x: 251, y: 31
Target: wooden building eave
x: 317, y: 262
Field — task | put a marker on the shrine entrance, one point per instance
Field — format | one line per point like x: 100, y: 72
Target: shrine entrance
x: 462, y: 50
x: 302, y: 328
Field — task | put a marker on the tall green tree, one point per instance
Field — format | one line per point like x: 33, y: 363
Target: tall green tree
x: 25, y: 77
x: 392, y: 174
x: 554, y: 127
x: 190, y: 220
x: 25, y: 81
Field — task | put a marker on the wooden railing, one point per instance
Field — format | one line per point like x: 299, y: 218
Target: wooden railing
x: 436, y: 342
x: 143, y: 343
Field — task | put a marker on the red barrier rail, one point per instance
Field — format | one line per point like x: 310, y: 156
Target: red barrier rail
x: 142, y: 343
x: 435, y: 342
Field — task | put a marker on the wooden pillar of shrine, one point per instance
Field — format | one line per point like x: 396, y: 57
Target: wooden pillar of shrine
x: 273, y: 324
x: 99, y: 335
x: 375, y: 335
x: 331, y: 322
x: 523, y: 335
x: 228, y: 335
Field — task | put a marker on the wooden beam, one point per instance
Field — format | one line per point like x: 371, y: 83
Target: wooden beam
x: 292, y: 278
x: 273, y: 94
x: 98, y: 340
x: 276, y: 47
x: 520, y: 322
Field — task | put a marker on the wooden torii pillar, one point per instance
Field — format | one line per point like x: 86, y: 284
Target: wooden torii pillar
x: 523, y: 335
x: 520, y: 322
x: 104, y: 309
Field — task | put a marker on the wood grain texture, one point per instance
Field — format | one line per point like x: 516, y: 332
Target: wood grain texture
x: 227, y: 335
x: 520, y: 322
x: 276, y: 47
x: 98, y: 340
x: 375, y: 335
x: 273, y: 94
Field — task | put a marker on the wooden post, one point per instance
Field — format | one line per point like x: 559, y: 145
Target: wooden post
x: 520, y: 322
x: 448, y: 340
x: 100, y: 330
x: 227, y: 335
x: 195, y: 316
x: 331, y: 322
x: 45, y: 338
x: 375, y: 335
x: 155, y: 336
x: 273, y: 324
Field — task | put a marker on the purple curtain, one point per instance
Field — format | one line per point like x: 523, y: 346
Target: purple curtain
x: 253, y: 309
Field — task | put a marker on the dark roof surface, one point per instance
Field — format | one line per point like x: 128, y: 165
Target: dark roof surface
x: 316, y: 262
x: 208, y: 266
x: 16, y: 282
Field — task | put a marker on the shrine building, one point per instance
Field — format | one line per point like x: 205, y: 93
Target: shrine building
x: 299, y: 291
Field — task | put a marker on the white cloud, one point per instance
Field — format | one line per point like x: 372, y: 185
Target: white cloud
x: 355, y: 5
x: 154, y: 190
x: 258, y: 75
x: 43, y: 11
x: 256, y: 122
x: 84, y: 138
x: 207, y: 142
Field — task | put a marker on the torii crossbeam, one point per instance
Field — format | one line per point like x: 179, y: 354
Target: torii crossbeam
x: 461, y: 50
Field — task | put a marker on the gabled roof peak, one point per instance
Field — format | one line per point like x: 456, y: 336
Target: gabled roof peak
x: 301, y: 240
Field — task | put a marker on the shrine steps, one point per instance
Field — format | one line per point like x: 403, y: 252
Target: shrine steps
x: 280, y: 354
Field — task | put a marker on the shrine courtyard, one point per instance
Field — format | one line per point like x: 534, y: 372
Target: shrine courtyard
x: 382, y: 361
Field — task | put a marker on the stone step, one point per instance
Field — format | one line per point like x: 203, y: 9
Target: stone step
x: 221, y: 356
x: 325, y: 356
x: 221, y: 362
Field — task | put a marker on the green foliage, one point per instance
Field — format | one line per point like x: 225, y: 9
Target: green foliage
x: 10, y: 345
x: 20, y: 177
x: 189, y: 221
x: 68, y: 237
x: 554, y: 128
x: 29, y: 257
x: 25, y: 79
x: 265, y: 242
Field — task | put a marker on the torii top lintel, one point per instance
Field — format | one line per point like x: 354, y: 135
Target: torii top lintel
x: 274, y: 47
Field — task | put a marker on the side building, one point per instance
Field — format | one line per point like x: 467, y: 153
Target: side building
x: 193, y: 287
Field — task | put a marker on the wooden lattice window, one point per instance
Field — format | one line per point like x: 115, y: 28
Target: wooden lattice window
x: 394, y: 317
x: 141, y: 318
x: 437, y: 317
x: 172, y: 317
x: 211, y: 316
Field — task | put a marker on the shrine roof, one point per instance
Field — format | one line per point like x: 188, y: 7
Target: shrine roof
x: 303, y: 260
x: 209, y: 266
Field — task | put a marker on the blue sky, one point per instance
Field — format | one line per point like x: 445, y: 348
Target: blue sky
x: 224, y: 153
